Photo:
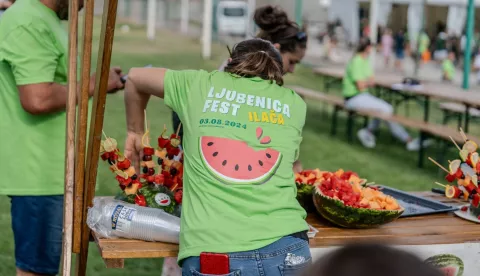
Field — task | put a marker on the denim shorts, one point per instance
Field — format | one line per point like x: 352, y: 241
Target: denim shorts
x: 271, y: 260
x: 37, y: 230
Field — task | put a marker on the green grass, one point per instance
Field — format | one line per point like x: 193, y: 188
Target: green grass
x: 388, y: 164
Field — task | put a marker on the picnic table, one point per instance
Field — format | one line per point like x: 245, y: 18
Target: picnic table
x: 424, y: 92
x: 439, y: 233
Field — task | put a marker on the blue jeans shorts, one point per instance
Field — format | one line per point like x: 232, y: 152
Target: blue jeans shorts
x: 271, y: 260
x: 37, y: 230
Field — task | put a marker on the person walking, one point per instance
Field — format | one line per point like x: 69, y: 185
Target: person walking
x: 33, y: 85
x: 399, y: 46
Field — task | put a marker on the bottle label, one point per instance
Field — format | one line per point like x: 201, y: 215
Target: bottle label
x: 162, y: 199
x: 122, y: 217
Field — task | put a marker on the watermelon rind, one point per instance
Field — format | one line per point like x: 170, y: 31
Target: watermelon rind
x: 230, y: 180
x: 475, y: 211
x: 349, y: 217
x: 446, y: 260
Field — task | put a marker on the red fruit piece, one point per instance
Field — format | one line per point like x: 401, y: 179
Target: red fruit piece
x: 150, y: 179
x: 163, y: 142
x: 478, y: 167
x: 179, y: 196
x: 140, y: 200
x: 123, y: 181
x: 123, y: 165
x: 122, y: 186
x: 151, y: 171
x: 459, y: 173
x: 476, y: 200
x: 148, y: 151
x: 464, y: 209
x: 259, y: 132
x: 105, y: 156
x: 159, y: 179
x: 450, y: 177
x: 265, y: 140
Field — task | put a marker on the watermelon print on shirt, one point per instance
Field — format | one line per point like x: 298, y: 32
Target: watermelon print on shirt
x: 241, y: 137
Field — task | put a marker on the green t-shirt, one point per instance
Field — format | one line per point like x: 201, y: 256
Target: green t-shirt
x: 424, y: 43
x: 224, y: 149
x: 448, y: 69
x: 33, y: 47
x: 358, y: 69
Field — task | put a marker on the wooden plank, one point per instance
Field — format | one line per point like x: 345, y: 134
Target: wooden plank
x: 70, y: 143
x: 96, y: 123
x: 82, y: 123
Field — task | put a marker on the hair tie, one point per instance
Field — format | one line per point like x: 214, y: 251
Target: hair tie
x: 263, y: 52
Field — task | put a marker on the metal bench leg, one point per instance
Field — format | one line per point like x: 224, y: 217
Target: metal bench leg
x: 442, y: 153
x: 350, y: 126
x: 365, y: 121
x: 459, y: 120
x: 333, y: 130
x: 421, y: 151
x: 445, y: 117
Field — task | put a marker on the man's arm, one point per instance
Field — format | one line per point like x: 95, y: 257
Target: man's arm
x: 45, y: 98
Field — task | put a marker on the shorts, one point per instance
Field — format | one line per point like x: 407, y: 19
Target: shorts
x: 400, y: 54
x: 273, y: 260
x: 37, y: 230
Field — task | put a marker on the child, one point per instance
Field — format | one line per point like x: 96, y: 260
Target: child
x: 387, y: 44
x: 448, y: 67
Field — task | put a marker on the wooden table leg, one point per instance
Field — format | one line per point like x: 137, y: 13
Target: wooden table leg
x: 467, y: 117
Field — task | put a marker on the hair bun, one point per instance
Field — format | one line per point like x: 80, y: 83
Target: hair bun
x: 271, y: 19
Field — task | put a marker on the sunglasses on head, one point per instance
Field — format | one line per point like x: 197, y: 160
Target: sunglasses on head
x: 301, y: 36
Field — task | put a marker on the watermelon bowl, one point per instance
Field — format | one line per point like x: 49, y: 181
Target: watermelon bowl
x: 335, y: 211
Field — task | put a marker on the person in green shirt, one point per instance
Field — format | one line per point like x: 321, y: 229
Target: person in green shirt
x: 242, y: 134
x: 33, y: 95
x: 448, y: 67
x: 286, y: 35
x: 357, y: 82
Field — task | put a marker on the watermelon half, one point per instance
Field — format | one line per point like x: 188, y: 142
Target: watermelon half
x: 449, y: 264
x: 235, y: 162
x: 349, y: 217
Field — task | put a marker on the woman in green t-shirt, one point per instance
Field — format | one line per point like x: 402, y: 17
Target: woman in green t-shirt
x: 286, y: 35
x: 242, y: 135
x: 357, y: 82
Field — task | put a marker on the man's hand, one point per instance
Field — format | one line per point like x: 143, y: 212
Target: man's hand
x: 114, y: 81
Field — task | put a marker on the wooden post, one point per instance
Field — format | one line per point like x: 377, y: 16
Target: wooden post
x: 82, y: 124
x: 70, y: 142
x: 96, y: 124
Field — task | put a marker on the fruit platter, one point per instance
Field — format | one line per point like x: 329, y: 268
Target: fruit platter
x: 159, y: 184
x: 305, y: 182
x: 345, y: 199
x: 462, y: 177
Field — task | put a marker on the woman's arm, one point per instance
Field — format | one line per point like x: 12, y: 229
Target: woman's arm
x: 140, y: 85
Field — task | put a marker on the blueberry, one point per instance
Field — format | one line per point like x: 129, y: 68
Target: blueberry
x: 173, y: 171
x: 134, y: 177
x: 147, y: 158
x: 160, y: 161
x: 145, y: 169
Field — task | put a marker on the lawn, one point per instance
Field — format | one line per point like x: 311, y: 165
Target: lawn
x: 388, y: 164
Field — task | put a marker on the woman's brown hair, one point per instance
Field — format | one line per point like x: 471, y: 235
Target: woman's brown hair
x: 256, y: 58
x: 276, y: 27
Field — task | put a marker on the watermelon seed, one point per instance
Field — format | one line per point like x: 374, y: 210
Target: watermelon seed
x: 268, y: 155
x: 209, y: 144
x: 236, y: 167
x: 224, y: 162
x: 260, y: 162
x: 249, y: 168
x: 215, y: 153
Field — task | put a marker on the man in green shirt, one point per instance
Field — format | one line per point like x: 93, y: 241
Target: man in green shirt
x: 33, y: 93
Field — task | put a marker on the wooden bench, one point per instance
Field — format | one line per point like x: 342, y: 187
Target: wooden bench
x: 426, y: 129
x: 456, y: 110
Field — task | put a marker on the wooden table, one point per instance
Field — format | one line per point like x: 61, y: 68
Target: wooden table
x: 421, y: 230
x: 427, y: 91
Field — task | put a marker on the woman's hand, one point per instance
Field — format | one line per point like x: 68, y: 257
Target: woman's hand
x: 134, y: 149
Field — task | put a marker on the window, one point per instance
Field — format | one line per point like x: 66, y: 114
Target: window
x: 234, y: 12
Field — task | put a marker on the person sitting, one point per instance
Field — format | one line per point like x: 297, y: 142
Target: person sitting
x: 448, y: 67
x: 227, y: 209
x: 357, y: 82
x: 370, y: 260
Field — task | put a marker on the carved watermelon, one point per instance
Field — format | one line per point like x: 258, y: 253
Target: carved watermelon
x: 235, y: 162
x: 450, y: 265
x: 349, y: 217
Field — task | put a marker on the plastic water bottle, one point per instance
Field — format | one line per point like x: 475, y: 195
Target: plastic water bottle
x: 110, y: 218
